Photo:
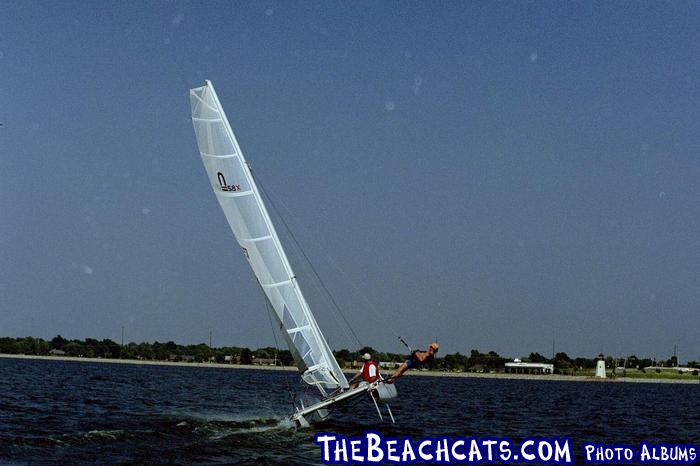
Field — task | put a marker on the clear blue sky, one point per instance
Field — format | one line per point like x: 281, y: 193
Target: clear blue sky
x: 493, y: 174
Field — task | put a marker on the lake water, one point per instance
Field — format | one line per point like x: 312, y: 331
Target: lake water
x: 74, y: 412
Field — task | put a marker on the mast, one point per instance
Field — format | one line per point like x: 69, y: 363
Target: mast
x: 240, y: 199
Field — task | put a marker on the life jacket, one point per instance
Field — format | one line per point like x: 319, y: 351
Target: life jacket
x: 370, y: 371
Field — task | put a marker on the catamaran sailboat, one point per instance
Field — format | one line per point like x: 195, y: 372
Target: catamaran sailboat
x: 238, y: 195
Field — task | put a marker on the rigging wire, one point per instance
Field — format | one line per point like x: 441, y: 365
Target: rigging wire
x: 381, y: 318
x: 350, y: 341
x: 270, y: 310
x: 313, y: 269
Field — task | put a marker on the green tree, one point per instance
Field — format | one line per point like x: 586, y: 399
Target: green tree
x: 536, y: 357
x: 455, y: 361
x: 8, y: 346
x: 584, y: 363
x: 246, y: 356
x: 367, y: 349
x: 264, y: 353
x: 343, y: 355
x: 285, y: 357
x: 632, y: 361
x: 646, y: 362
x: 495, y: 361
x: 74, y: 348
x: 562, y: 362
x: 475, y: 358
x: 395, y: 357
x: 58, y: 342
x: 27, y: 345
x: 200, y: 352
x: 42, y: 346
x: 145, y: 351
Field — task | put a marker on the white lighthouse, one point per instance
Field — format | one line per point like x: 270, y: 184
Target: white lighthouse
x: 600, y: 367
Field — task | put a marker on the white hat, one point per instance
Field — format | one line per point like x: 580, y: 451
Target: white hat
x: 366, y: 356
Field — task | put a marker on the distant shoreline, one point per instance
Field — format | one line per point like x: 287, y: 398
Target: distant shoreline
x: 145, y: 362
x: 553, y: 377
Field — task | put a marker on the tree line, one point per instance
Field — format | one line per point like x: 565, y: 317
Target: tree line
x: 109, y: 349
x: 475, y: 361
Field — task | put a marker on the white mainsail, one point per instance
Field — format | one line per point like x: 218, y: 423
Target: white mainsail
x: 245, y: 211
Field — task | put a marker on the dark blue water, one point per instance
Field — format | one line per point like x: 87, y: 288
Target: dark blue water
x: 74, y: 412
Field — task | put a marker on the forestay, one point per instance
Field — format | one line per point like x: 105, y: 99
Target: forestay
x: 245, y: 211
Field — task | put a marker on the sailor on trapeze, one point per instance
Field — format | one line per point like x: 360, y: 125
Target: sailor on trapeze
x: 417, y: 359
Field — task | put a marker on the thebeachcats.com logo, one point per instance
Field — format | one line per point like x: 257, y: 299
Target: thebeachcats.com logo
x: 373, y: 448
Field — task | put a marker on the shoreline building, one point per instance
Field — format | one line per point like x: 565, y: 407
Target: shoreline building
x: 519, y: 367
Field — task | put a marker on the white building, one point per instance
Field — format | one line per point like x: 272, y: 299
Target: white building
x: 389, y: 364
x: 519, y: 367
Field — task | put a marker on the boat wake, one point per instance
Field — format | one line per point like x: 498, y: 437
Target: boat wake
x: 189, y: 429
x: 218, y: 426
x: 91, y: 436
x: 220, y: 429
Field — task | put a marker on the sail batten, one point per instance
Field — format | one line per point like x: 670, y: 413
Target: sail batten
x: 234, y: 193
x: 243, y: 206
x: 255, y: 240
x: 209, y: 120
x: 194, y: 96
x: 278, y: 284
x: 222, y: 156
x: 297, y: 329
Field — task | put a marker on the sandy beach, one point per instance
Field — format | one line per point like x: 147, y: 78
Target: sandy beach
x: 413, y: 373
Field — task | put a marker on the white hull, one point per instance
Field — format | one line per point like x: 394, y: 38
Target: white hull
x: 318, y: 412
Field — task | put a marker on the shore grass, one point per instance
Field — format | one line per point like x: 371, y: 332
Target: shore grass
x: 663, y: 375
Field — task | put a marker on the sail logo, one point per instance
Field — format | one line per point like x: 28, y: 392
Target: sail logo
x: 227, y: 187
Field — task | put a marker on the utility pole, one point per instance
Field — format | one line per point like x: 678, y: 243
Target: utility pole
x: 675, y: 355
x: 121, y: 351
x: 210, y: 350
x: 553, y: 353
